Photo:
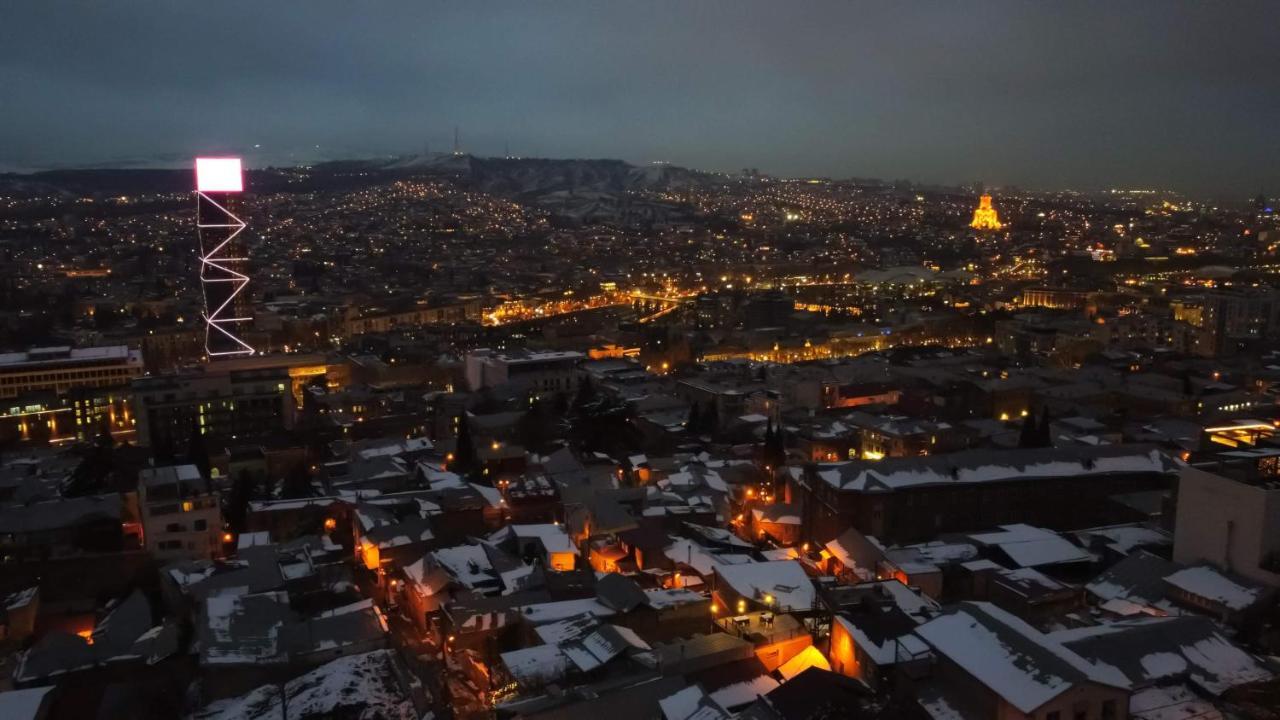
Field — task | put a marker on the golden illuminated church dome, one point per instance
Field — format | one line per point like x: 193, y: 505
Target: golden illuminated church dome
x: 985, y: 218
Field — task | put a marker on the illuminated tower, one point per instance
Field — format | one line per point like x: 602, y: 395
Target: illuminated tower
x: 223, y: 257
x: 985, y: 218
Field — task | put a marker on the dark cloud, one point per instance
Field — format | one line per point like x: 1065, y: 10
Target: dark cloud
x: 1042, y: 94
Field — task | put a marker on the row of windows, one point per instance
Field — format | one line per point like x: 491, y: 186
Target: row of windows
x: 80, y: 375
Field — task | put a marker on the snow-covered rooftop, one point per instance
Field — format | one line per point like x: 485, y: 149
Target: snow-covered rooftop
x: 783, y: 580
x: 1206, y: 582
x: 1032, y: 546
x: 981, y: 466
x: 1013, y: 659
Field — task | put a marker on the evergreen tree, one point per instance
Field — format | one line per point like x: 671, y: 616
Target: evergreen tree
x: 779, y: 447
x: 297, y: 484
x: 238, y: 502
x: 1045, y: 436
x: 1029, y: 436
x: 90, y: 476
x: 538, y: 426
x: 711, y: 418
x: 465, y: 460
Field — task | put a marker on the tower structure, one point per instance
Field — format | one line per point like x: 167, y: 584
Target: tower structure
x: 985, y: 217
x: 223, y: 256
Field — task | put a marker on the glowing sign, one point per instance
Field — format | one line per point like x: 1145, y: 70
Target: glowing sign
x: 218, y: 175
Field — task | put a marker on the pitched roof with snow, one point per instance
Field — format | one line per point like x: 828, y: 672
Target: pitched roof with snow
x: 1159, y: 650
x: 1137, y: 579
x: 1030, y: 546
x: 243, y: 629
x: 1233, y: 593
x: 981, y: 466
x: 354, y: 686
x: 783, y: 580
x: 691, y: 703
x: 1019, y: 663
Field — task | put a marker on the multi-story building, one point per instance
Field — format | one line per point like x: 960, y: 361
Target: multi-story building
x: 224, y: 404
x: 462, y: 310
x: 1054, y: 298
x: 1232, y: 319
x: 61, y: 393
x: 181, y: 518
x: 60, y: 369
x: 542, y: 372
x: 913, y: 499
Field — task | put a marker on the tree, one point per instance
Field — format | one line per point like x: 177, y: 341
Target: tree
x: 1044, y: 434
x: 773, y: 453
x: 465, y: 460
x: 778, y: 454
x: 538, y: 426
x: 711, y: 418
x: 1029, y: 436
x: 694, y: 422
x: 91, y: 474
x: 238, y: 502
x: 297, y: 484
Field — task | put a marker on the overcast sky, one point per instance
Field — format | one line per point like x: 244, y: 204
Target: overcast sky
x: 1043, y: 94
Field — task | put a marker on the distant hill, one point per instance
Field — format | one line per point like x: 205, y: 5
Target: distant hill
x: 522, y: 179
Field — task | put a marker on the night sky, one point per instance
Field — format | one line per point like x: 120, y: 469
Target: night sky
x: 1040, y: 94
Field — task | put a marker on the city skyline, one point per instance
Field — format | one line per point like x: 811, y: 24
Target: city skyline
x: 699, y: 361
x: 1123, y: 98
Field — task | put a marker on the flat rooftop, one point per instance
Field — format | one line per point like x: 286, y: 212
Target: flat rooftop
x: 65, y: 355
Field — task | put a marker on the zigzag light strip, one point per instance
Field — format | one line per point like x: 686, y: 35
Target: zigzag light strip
x: 209, y: 261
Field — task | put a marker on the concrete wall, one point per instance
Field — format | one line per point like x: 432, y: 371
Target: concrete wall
x: 1226, y: 522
